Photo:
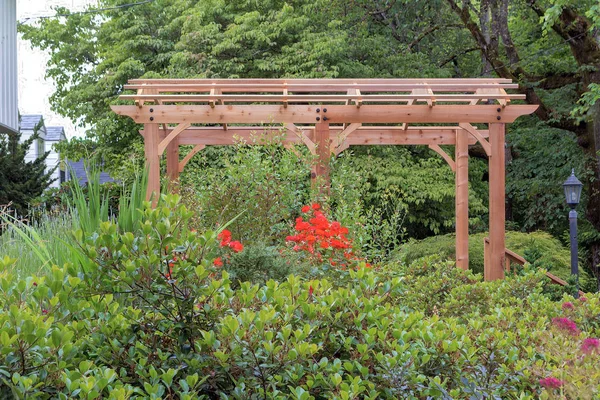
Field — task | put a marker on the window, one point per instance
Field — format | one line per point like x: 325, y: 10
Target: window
x: 40, y: 147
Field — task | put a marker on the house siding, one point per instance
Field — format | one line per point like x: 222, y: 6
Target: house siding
x: 52, y: 161
x: 8, y: 64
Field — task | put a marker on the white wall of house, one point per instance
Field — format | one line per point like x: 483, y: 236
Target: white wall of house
x: 38, y: 146
x: 53, y: 160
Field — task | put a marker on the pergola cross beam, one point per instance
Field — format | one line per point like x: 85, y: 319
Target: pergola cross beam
x: 328, y: 116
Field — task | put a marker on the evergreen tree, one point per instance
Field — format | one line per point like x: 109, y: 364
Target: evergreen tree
x: 21, y: 181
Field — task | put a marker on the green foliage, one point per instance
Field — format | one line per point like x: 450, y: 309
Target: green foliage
x: 146, y: 315
x: 131, y: 203
x: 536, y: 174
x: 423, y: 184
x: 92, y: 57
x: 90, y: 208
x: 258, y: 264
x: 265, y: 185
x: 585, y: 105
x: 381, y: 194
x: 21, y: 180
x: 543, y: 250
x: 47, y: 238
x: 37, y: 245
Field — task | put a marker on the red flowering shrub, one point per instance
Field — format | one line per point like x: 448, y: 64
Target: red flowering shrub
x: 226, y: 243
x: 321, y: 239
x: 225, y: 237
x: 566, y: 325
x: 551, y: 382
x: 590, y: 345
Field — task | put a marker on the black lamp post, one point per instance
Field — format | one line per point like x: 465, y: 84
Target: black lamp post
x: 572, y: 188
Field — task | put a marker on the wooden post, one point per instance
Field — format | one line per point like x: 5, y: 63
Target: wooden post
x: 151, y: 140
x: 173, y: 163
x: 320, y: 170
x: 462, y: 198
x: 494, y: 269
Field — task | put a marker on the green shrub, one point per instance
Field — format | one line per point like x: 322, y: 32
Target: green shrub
x: 46, y: 238
x: 261, y: 187
x: 258, y: 263
x: 382, y: 193
x: 545, y: 250
x: 146, y: 315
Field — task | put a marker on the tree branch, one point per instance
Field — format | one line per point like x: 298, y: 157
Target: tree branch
x: 429, y: 31
x: 461, y: 53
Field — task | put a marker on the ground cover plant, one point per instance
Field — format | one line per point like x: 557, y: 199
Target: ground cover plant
x: 152, y: 312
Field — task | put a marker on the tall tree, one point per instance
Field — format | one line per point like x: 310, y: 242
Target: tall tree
x: 93, y: 55
x: 21, y: 180
x: 550, y: 47
x: 574, y: 25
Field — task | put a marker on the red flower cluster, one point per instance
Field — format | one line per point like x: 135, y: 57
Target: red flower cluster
x: 565, y: 324
x: 590, y: 345
x: 551, y: 382
x: 567, y: 305
x: 225, y: 237
x: 319, y: 233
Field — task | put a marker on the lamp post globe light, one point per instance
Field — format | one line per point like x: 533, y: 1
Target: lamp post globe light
x: 572, y: 187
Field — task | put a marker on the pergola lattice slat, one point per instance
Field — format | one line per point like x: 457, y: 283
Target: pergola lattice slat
x: 328, y: 116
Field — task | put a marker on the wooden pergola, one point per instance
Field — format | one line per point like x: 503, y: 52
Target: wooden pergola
x: 328, y: 116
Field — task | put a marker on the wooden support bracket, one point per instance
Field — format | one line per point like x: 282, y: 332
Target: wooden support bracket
x: 140, y: 103
x: 212, y: 103
x: 426, y: 91
x: 358, y: 99
x: 494, y: 91
x: 165, y: 142
x: 410, y: 103
x: 444, y: 155
x: 213, y: 92
x: 189, y: 156
x: 477, y: 135
x: 337, y: 142
x: 305, y: 139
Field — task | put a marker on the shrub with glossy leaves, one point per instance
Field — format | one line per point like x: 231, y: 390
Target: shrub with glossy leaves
x: 148, y: 315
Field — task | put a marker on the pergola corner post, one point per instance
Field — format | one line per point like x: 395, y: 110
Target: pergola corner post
x: 151, y: 141
x: 173, y: 163
x: 495, y: 262
x: 320, y: 168
x: 462, y: 198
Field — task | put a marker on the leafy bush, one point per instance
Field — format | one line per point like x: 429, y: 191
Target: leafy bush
x: 258, y: 186
x: 546, y: 251
x: 146, y: 314
x: 381, y: 194
x: 535, y: 175
x: 258, y: 263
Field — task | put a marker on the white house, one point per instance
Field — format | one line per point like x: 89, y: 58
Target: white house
x: 48, y: 136
x: 55, y: 134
